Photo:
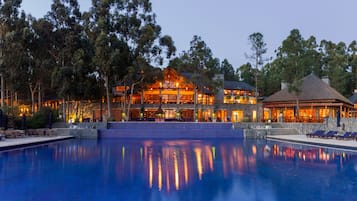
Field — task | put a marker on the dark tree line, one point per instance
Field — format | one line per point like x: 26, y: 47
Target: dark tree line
x: 294, y: 59
x: 75, y: 55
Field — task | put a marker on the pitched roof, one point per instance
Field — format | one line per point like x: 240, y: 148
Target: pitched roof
x: 312, y: 88
x: 238, y: 86
x: 353, y: 98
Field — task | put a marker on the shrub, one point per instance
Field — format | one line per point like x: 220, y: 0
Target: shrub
x: 41, y: 118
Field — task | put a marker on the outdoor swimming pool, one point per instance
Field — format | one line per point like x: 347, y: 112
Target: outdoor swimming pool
x: 198, y: 170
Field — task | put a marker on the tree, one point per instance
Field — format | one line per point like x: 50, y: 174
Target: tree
x: 258, y: 47
x: 198, y: 58
x: 352, y: 49
x: 126, y: 39
x: 289, y: 57
x: 336, y: 66
x: 271, y: 78
x: 247, y: 73
x: 227, y: 69
x: 13, y: 52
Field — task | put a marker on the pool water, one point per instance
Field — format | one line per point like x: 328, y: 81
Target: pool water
x: 172, y: 170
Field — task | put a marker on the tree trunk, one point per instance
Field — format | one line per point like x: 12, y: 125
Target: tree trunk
x: 64, y: 110
x: 130, y: 99
x: 32, y: 100
x: 39, y: 96
x: 106, y: 80
x: 32, y: 91
x: 124, y: 104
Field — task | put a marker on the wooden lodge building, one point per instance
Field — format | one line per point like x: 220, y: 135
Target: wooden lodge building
x: 182, y: 97
x: 179, y: 97
x: 316, y: 101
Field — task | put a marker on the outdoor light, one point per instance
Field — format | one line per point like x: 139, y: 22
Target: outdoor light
x: 123, y: 116
x: 177, y: 115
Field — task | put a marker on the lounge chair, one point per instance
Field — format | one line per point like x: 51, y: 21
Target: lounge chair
x: 346, y: 135
x: 354, y: 135
x: 317, y: 133
x: 329, y: 134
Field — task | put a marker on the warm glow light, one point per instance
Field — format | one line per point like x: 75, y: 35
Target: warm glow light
x: 141, y: 153
x: 159, y: 174
x: 177, y: 181
x: 198, y: 152
x: 150, y: 171
x: 167, y: 180
x: 123, y: 152
x: 214, y: 152
x: 254, y: 150
x: 210, y: 157
x: 185, y: 166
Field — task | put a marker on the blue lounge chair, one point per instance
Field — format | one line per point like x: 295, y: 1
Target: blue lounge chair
x: 354, y: 135
x: 317, y: 133
x: 329, y: 134
x: 346, y: 135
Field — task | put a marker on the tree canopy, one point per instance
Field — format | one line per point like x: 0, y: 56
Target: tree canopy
x: 80, y: 55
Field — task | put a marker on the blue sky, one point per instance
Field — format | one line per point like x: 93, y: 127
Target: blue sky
x: 225, y: 25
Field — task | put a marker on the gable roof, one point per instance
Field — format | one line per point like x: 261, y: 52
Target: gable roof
x: 312, y: 88
x: 234, y: 85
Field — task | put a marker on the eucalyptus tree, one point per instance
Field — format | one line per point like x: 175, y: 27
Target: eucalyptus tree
x: 126, y: 40
x: 108, y: 50
x: 71, y: 51
x: 135, y: 24
x: 258, y: 48
x: 13, y: 28
x: 66, y: 45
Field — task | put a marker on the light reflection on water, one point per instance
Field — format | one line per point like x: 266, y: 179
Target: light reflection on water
x: 177, y: 170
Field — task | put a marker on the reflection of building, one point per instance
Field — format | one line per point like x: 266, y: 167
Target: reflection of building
x: 315, y: 157
x: 316, y: 101
x: 184, y: 97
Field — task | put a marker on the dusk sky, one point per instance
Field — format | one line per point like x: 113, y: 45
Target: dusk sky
x: 225, y: 25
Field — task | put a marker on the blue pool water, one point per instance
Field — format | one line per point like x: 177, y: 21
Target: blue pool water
x: 173, y: 170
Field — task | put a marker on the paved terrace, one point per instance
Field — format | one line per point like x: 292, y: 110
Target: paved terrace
x: 341, y: 144
x: 29, y: 141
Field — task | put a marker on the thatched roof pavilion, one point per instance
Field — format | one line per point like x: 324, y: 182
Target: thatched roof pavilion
x: 316, y: 101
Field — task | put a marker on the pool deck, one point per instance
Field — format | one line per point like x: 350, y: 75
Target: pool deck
x: 340, y: 144
x: 29, y: 141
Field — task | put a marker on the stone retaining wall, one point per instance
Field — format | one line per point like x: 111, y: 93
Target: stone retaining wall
x: 78, y: 132
x: 347, y: 124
